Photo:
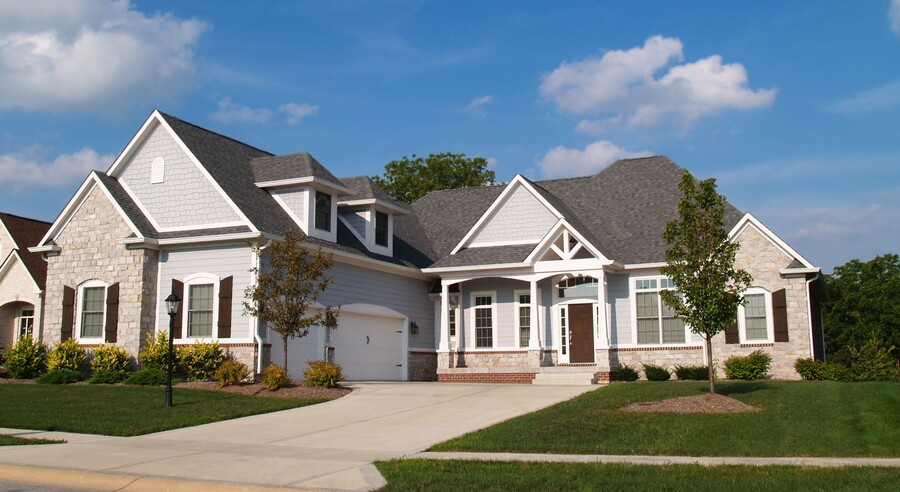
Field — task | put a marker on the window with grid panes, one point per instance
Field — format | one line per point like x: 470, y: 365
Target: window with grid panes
x: 524, y: 319
x: 484, y: 321
x: 92, y: 301
x: 755, y: 317
x: 200, y: 310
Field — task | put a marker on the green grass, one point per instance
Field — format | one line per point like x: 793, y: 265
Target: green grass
x: 6, y: 440
x: 125, y: 410
x: 803, y: 418
x: 453, y: 476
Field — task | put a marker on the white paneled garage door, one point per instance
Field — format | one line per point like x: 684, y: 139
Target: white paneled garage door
x: 369, y: 346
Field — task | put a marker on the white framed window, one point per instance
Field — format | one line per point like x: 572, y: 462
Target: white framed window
x: 91, y: 311
x: 200, y: 305
x: 581, y: 286
x: 655, y: 322
x: 453, y: 314
x: 755, y: 321
x: 25, y: 323
x: 484, y: 318
x: 523, y: 317
x: 322, y: 219
x: 381, y: 228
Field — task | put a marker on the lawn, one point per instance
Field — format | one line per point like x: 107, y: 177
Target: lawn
x: 125, y: 410
x: 6, y: 440
x: 428, y: 475
x: 798, y: 418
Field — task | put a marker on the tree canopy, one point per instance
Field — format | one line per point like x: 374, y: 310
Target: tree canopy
x: 864, y: 303
x: 700, y: 262
x: 409, y: 179
x: 287, y: 287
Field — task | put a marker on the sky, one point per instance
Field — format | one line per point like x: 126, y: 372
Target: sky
x: 794, y: 107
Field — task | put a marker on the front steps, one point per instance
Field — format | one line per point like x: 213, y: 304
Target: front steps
x: 565, y: 378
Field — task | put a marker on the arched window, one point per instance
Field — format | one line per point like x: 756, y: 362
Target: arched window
x: 581, y: 286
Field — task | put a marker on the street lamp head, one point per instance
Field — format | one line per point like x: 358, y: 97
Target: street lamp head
x: 172, y: 303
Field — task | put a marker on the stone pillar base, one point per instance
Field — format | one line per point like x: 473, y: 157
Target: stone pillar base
x: 445, y: 360
x: 534, y: 358
x: 603, y: 362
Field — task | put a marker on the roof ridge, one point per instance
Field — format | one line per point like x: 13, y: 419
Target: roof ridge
x: 207, y: 130
x: 25, y: 218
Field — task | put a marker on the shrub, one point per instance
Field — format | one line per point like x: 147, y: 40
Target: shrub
x: 809, y: 369
x: 201, y: 360
x: 754, y: 365
x: 872, y: 361
x: 626, y: 373
x: 110, y: 358
x: 836, y: 372
x: 231, y: 372
x: 155, y: 353
x: 60, y: 375
x: 656, y: 373
x: 67, y: 354
x: 147, y: 377
x: 323, y: 373
x: 692, y: 373
x: 26, y: 359
x: 274, y: 377
x: 108, y: 377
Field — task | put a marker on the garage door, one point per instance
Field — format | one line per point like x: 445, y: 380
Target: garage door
x: 369, y: 347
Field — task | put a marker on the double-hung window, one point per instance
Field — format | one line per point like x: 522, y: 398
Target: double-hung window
x: 381, y: 229
x: 484, y: 321
x: 200, y: 310
x: 656, y: 321
x: 524, y: 307
x: 92, y: 310
x: 26, y: 323
x: 323, y: 211
x: 755, y: 316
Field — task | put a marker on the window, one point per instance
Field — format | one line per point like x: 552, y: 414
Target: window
x: 754, y: 316
x: 451, y: 319
x: 656, y: 321
x: 93, y: 299
x: 381, y: 229
x: 577, y: 287
x: 563, y: 329
x: 524, y: 319
x: 484, y: 321
x: 26, y: 322
x: 200, y: 310
x: 323, y: 211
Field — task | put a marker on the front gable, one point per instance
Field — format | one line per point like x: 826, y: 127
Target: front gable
x: 758, y: 241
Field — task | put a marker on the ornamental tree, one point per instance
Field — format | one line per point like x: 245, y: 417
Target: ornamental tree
x: 287, y: 287
x: 700, y: 262
x: 409, y: 179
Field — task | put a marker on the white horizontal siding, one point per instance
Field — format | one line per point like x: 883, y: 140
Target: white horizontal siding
x: 620, y: 324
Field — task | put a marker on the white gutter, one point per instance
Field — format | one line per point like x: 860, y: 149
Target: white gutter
x: 259, y: 340
x: 809, y: 317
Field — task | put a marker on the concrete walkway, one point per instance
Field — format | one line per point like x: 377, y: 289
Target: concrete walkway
x: 327, y: 446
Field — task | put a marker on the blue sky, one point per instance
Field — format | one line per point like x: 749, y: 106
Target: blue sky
x: 793, y: 106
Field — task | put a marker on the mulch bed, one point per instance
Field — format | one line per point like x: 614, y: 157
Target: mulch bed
x: 693, y: 404
x: 298, y: 389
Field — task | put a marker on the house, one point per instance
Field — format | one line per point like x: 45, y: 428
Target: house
x: 22, y: 278
x: 500, y: 283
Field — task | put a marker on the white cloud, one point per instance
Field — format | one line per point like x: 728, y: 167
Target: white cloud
x: 25, y: 169
x: 476, y: 107
x: 92, y: 55
x: 562, y: 162
x: 881, y: 98
x: 231, y: 112
x: 296, y: 112
x: 625, y: 84
x: 894, y: 16
x: 598, y: 127
x: 832, y: 223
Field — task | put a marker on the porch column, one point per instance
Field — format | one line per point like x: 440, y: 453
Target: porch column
x: 534, y: 339
x: 444, y: 344
x: 602, y: 321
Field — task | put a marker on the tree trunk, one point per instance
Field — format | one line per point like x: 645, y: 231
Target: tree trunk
x: 284, y: 339
x: 709, y: 365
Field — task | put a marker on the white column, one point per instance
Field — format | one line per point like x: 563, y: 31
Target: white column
x: 602, y: 321
x: 534, y: 340
x: 444, y: 345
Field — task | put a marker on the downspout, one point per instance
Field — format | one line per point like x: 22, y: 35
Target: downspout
x: 259, y: 340
x: 809, y: 313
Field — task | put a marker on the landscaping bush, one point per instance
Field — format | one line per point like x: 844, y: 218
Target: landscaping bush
x: 147, y: 377
x: 656, y: 373
x: 60, y: 375
x: 837, y: 372
x: 274, y: 377
x: 809, y: 369
x: 692, y: 373
x: 872, y: 361
x: 323, y: 373
x: 154, y: 354
x: 754, y: 365
x: 110, y: 358
x: 626, y: 373
x: 67, y: 354
x: 3, y: 372
x: 26, y: 359
x: 108, y: 377
x: 201, y: 360
x: 231, y: 372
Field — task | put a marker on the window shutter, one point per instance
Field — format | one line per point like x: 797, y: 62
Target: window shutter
x: 225, y: 287
x: 68, y: 312
x: 178, y: 290
x: 779, y: 315
x: 112, y: 312
x: 731, y: 334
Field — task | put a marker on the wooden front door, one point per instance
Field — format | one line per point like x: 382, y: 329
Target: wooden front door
x: 581, y: 328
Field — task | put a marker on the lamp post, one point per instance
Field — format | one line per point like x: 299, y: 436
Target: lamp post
x: 172, y: 304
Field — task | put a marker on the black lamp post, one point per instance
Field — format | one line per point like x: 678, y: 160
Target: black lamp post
x: 172, y: 304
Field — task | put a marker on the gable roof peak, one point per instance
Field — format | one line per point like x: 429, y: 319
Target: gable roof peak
x: 169, y: 118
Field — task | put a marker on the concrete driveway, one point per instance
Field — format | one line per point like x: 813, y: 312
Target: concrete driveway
x: 326, y: 446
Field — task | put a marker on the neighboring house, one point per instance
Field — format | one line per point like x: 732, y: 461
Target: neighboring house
x: 533, y: 278
x: 22, y: 278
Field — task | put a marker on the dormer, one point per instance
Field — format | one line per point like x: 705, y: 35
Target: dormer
x: 305, y: 190
x: 369, y: 214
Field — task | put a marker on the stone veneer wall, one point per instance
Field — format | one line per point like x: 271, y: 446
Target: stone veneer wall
x: 422, y: 366
x: 89, y: 250
x: 493, y: 359
x: 691, y: 355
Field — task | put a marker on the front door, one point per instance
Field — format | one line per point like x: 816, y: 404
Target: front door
x: 581, y: 333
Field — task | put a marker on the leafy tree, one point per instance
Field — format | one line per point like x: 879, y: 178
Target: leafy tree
x: 864, y: 302
x: 409, y: 179
x: 287, y: 287
x: 700, y: 261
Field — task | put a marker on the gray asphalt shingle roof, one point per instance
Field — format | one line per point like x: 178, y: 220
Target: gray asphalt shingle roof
x: 365, y: 189
x: 291, y: 166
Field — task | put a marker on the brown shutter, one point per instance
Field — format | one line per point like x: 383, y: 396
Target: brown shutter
x: 178, y: 290
x: 731, y: 334
x: 112, y: 312
x: 68, y: 312
x: 225, y: 287
x: 779, y: 314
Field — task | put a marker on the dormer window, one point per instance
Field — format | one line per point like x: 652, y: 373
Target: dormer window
x: 381, y: 229
x: 323, y: 211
